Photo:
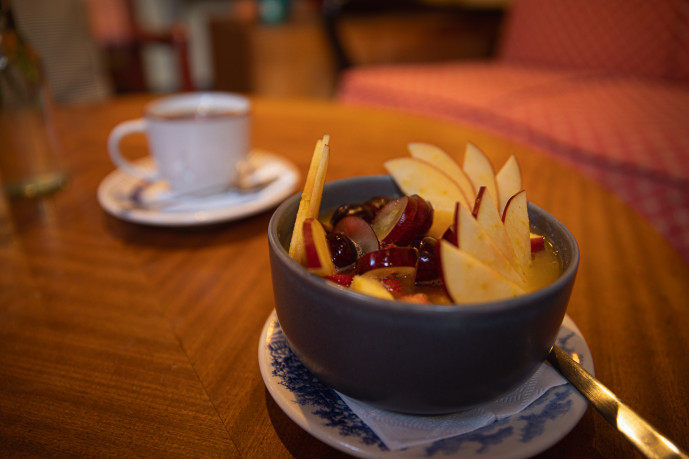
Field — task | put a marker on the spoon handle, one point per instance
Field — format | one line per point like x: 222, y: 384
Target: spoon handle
x: 648, y: 440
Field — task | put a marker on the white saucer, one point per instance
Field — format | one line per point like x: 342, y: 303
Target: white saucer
x: 321, y: 412
x: 116, y: 194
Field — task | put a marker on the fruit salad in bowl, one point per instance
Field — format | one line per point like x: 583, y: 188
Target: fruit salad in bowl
x: 429, y: 290
x: 456, y: 235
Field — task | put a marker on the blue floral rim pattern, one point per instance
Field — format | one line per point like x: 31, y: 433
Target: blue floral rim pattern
x: 318, y: 409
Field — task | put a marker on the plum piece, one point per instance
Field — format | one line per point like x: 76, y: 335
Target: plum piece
x: 342, y: 249
x: 394, y: 220
x: 427, y: 269
x: 355, y: 210
x: 360, y: 232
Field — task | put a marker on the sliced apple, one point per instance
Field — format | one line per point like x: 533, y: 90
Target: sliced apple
x: 316, y: 250
x: 468, y: 280
x: 443, y: 161
x: 486, y: 214
x: 537, y: 243
x: 480, y: 170
x: 516, y: 222
x: 508, y: 181
x: 370, y: 287
x: 414, y: 176
x: 310, y: 202
x: 473, y: 239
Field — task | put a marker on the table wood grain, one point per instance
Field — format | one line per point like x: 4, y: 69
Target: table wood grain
x: 123, y: 339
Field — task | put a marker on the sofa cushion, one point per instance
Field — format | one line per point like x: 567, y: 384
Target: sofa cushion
x: 471, y: 88
x: 619, y: 122
x: 629, y: 133
x: 637, y: 37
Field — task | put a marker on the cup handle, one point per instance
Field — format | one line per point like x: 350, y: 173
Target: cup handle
x: 116, y: 135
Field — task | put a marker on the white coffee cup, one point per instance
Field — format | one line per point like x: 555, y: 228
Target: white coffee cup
x: 198, y: 141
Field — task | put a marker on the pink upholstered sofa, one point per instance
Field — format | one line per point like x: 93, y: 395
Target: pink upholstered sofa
x: 600, y: 84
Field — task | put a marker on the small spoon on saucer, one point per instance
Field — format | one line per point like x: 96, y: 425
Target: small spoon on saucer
x: 646, y: 438
x: 252, y: 179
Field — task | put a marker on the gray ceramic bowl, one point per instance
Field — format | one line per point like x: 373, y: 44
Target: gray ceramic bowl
x: 425, y: 359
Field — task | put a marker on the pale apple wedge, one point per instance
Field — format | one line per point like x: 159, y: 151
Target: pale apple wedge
x: 414, y: 176
x: 473, y: 239
x: 443, y: 161
x: 310, y: 202
x: 516, y: 221
x: 508, y: 181
x: 370, y: 287
x: 487, y: 216
x: 468, y: 280
x: 480, y: 170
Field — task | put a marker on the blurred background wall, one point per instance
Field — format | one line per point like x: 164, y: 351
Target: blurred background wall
x: 269, y: 47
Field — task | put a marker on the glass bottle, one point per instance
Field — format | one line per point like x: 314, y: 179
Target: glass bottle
x: 29, y: 149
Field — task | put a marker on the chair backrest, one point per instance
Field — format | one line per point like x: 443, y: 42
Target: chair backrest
x: 640, y: 37
x: 117, y: 30
x: 366, y: 32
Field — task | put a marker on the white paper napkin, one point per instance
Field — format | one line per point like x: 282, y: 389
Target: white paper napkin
x: 399, y: 431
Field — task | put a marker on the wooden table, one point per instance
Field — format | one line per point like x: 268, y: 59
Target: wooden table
x: 121, y: 339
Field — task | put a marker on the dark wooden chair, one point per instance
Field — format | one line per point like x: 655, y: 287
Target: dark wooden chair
x: 384, y: 31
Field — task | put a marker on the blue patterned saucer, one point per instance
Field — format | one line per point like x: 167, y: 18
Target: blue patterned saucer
x: 318, y: 409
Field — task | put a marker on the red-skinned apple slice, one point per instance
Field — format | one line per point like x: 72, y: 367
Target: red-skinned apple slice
x: 473, y: 239
x: 486, y: 214
x: 468, y: 280
x: 436, y: 156
x: 394, y: 220
x: 537, y: 243
x: 414, y: 176
x: 480, y: 170
x: 316, y: 250
x: 516, y: 222
x: 310, y: 201
x: 360, y: 231
x: 508, y: 181
x: 384, y: 258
